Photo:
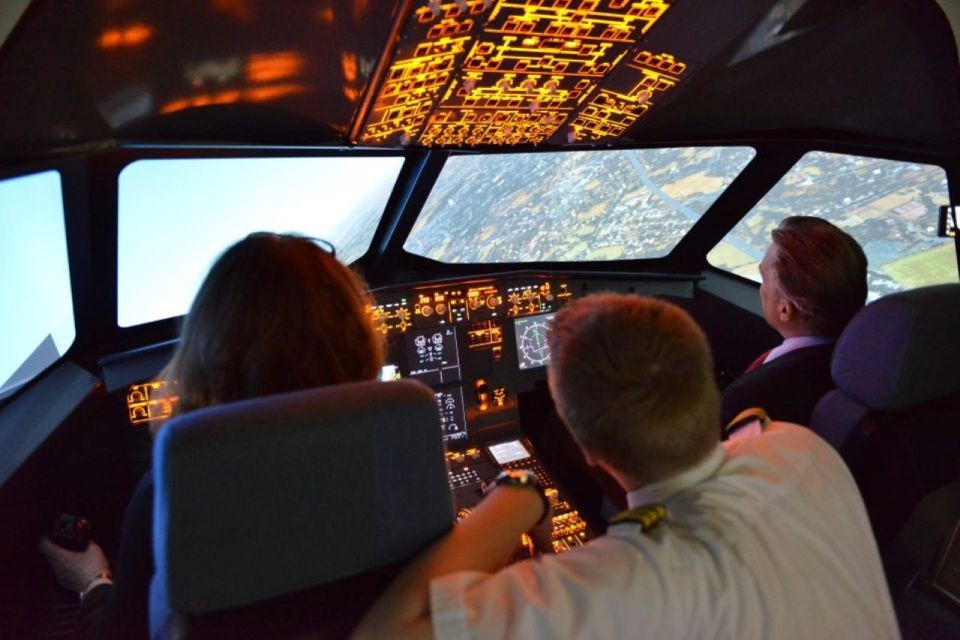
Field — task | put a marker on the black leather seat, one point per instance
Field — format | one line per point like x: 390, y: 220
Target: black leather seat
x: 285, y: 516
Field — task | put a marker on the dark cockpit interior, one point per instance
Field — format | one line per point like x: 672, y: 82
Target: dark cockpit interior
x: 480, y: 163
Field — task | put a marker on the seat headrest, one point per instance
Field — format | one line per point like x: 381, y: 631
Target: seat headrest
x: 902, y: 350
x: 270, y: 496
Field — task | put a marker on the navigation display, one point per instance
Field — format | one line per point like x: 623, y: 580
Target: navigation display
x: 531, y: 332
x: 432, y: 355
x: 453, y: 422
x: 507, y: 452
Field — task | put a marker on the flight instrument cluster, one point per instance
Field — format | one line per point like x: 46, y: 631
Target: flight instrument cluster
x: 479, y: 343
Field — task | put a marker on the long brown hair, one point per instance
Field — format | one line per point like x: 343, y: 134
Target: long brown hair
x: 275, y: 313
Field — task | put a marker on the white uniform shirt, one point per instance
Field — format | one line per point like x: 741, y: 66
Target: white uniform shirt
x: 766, y: 538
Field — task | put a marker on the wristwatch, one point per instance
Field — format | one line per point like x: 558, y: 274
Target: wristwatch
x: 524, y: 478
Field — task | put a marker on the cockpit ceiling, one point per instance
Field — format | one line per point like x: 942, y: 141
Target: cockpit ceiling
x: 495, y: 72
x: 474, y: 73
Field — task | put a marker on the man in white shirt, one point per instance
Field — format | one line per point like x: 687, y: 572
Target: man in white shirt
x: 766, y: 537
x: 814, y: 279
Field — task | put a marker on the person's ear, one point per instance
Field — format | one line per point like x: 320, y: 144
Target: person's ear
x: 785, y: 310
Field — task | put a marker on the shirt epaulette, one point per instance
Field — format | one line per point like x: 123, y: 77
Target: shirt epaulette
x: 648, y: 516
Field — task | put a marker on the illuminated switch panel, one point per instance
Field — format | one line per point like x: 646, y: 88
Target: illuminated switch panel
x: 529, y: 299
x: 626, y: 96
x: 150, y: 402
x: 457, y: 305
x: 484, y: 334
x: 435, y: 305
x: 472, y: 453
x: 484, y: 300
x: 476, y: 72
x: 391, y: 317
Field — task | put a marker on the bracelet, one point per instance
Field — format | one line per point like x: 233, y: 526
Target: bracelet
x: 104, y: 577
x: 525, y: 478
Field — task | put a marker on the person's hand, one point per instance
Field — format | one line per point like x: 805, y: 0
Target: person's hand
x: 542, y: 533
x: 74, y: 569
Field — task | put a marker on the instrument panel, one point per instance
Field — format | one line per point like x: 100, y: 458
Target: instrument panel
x: 481, y: 345
x: 487, y: 338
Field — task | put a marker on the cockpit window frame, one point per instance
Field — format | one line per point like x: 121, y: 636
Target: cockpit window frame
x: 108, y: 168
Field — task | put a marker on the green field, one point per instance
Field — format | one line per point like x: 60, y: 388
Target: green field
x: 934, y: 266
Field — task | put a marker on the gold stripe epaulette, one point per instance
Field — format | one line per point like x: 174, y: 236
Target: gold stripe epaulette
x: 647, y: 516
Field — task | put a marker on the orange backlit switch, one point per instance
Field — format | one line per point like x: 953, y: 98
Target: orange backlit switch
x: 500, y: 396
x: 150, y: 402
x: 483, y: 395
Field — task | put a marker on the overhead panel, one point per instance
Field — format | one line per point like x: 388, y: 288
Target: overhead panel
x: 504, y: 72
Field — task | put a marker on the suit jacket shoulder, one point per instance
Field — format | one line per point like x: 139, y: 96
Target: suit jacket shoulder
x: 787, y: 388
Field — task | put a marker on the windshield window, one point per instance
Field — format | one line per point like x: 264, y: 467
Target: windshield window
x: 176, y: 216
x: 36, y: 307
x: 571, y: 206
x: 889, y: 207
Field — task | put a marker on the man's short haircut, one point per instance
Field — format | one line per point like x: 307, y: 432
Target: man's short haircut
x: 822, y: 271
x: 632, y: 379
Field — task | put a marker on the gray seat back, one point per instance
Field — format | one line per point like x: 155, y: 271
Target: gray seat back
x: 266, y: 497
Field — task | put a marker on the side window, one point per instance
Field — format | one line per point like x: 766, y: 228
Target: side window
x: 889, y: 207
x: 36, y: 307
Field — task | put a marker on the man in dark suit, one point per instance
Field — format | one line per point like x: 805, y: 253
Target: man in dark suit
x: 814, y: 279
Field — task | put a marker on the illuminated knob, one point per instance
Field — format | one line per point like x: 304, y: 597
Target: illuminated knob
x: 403, y: 315
x: 441, y: 308
x: 426, y: 311
x: 473, y: 304
x: 527, y: 294
x: 491, y: 302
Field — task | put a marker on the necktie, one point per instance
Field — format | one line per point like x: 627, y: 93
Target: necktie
x: 759, y: 361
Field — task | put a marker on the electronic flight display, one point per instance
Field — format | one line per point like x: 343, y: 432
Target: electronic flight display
x: 531, y: 333
x: 433, y: 356
x: 453, y: 421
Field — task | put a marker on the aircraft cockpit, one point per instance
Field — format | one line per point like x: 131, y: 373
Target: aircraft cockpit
x: 479, y: 163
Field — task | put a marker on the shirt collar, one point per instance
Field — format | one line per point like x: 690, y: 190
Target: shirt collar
x: 792, y: 344
x: 660, y: 491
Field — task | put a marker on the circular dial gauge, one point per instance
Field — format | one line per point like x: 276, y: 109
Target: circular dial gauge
x: 533, y: 345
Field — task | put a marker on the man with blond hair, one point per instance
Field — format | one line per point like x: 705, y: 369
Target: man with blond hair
x: 765, y: 537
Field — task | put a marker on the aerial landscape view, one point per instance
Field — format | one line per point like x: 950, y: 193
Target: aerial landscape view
x: 889, y: 207
x: 584, y: 205
x: 631, y: 204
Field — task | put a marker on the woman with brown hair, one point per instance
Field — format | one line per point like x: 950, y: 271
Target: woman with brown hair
x: 276, y: 313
